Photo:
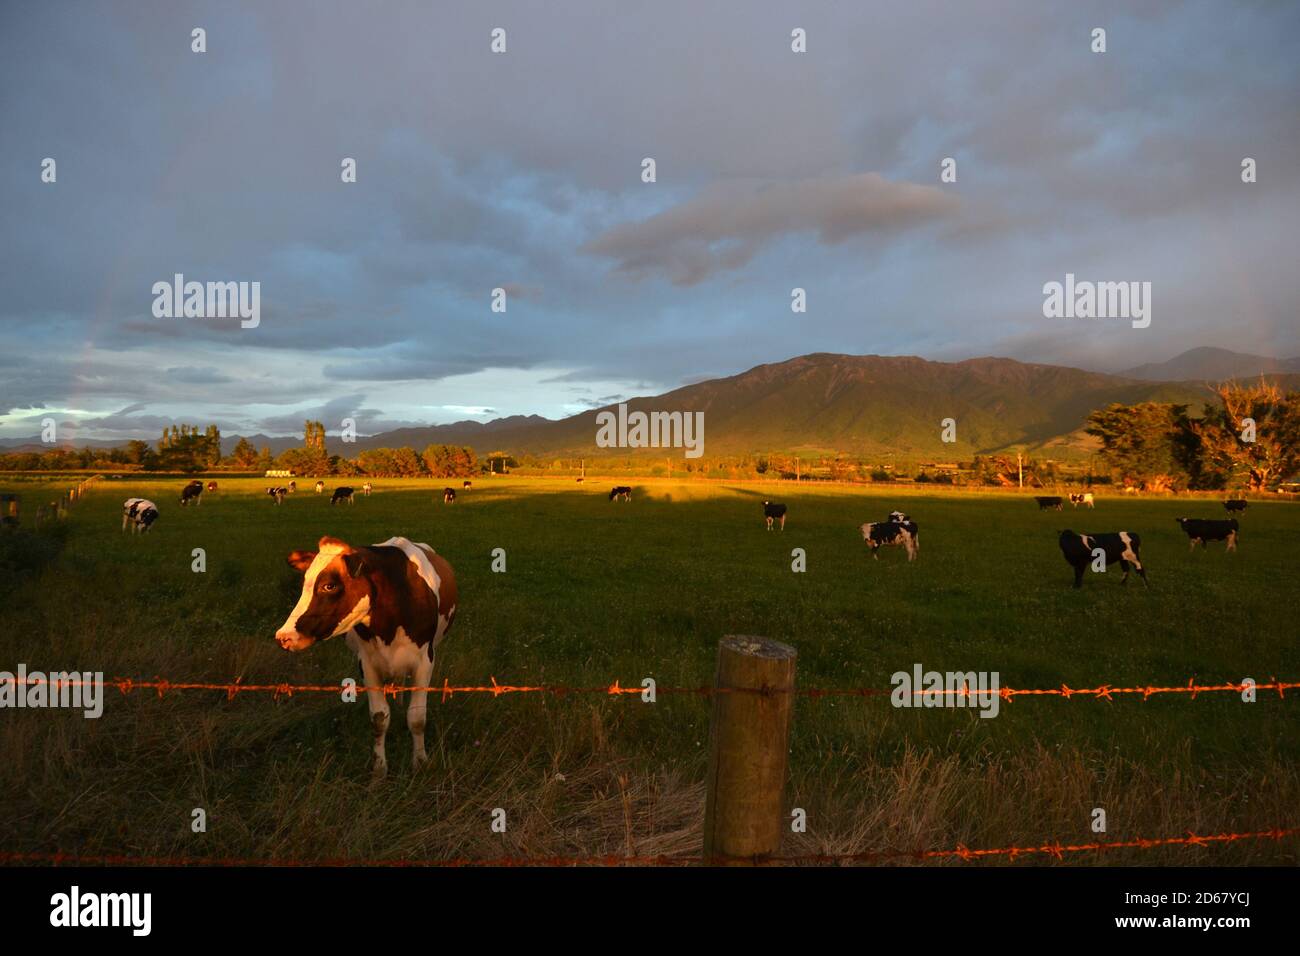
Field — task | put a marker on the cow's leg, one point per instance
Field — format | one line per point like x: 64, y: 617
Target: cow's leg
x: 123, y: 522
x: 1232, y: 541
x: 1125, y: 565
x: 1078, y: 575
x: 1133, y: 558
x: 1191, y: 544
x: 379, y: 715
x: 782, y: 522
x: 417, y: 710
x: 769, y: 523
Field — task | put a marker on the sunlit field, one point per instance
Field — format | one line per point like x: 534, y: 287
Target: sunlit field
x: 598, y: 591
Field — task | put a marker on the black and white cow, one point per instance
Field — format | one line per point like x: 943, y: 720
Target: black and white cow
x: 367, y: 488
x: 1053, y: 502
x: 277, y: 493
x: 623, y: 492
x: 320, y: 487
x: 192, y: 492
x: 140, y: 514
x: 1122, y: 546
x: 393, y: 602
x: 904, y: 534
x: 1209, y: 529
x: 773, y: 512
x: 1234, y: 505
x: 898, y: 516
x: 342, y: 493
x: 448, y: 495
x: 466, y: 484
x: 1083, y: 499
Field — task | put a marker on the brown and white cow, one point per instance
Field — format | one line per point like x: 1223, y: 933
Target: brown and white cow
x: 394, y: 602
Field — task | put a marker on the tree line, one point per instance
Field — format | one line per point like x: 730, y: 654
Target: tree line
x: 1249, y: 439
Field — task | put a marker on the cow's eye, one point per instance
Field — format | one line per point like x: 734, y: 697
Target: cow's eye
x: 329, y: 586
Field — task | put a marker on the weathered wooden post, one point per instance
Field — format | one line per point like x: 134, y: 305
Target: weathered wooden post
x: 744, y: 809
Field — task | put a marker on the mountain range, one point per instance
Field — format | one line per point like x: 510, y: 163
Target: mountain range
x: 869, y: 405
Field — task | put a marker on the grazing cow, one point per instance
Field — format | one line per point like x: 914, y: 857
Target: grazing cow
x: 1121, y: 546
x: 341, y: 493
x: 1083, y: 499
x: 140, y: 514
x: 277, y: 494
x: 394, y: 601
x: 903, y: 533
x: 1054, y: 502
x: 212, y: 486
x: 192, y: 492
x: 293, y: 486
x: 320, y: 487
x: 1209, y: 529
x: 581, y: 480
x: 898, y: 516
x: 621, y: 491
x: 448, y: 495
x: 773, y: 512
x: 466, y: 484
x: 367, y: 488
x: 1235, y: 504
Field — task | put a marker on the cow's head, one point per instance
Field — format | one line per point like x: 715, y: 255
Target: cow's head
x: 335, y: 594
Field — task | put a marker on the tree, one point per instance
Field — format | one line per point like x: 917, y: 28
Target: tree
x: 245, y: 455
x: 1224, y: 435
x: 184, y: 448
x: 1151, y: 445
x: 313, y: 436
x: 137, y: 451
x: 450, y: 461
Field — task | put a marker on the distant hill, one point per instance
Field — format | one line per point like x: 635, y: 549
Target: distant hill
x: 865, y: 405
x: 859, y: 404
x: 1212, y: 365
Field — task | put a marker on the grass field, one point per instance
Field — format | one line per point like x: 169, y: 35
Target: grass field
x: 597, y: 591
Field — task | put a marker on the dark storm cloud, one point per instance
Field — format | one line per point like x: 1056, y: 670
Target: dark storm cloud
x: 522, y: 171
x: 724, y: 228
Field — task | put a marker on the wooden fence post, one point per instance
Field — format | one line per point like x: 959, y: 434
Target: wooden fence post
x: 744, y: 810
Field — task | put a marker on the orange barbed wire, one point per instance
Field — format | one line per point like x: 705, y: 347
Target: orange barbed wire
x: 1056, y: 850
x: 447, y: 690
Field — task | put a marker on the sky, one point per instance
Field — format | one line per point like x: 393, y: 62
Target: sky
x: 523, y: 171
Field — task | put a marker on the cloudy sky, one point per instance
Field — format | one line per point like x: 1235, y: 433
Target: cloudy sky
x: 522, y: 170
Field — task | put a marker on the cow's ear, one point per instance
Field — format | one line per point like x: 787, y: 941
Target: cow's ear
x: 355, y: 562
x: 301, y: 560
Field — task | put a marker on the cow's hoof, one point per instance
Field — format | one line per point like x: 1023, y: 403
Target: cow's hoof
x: 378, y: 769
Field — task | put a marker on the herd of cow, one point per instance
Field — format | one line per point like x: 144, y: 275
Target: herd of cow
x: 393, y: 602
x: 898, y: 530
x: 139, y: 514
x: 1080, y: 550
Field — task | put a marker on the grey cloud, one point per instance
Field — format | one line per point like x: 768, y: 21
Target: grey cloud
x: 724, y: 228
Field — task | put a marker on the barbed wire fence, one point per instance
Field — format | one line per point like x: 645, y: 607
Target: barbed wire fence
x: 752, y: 698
